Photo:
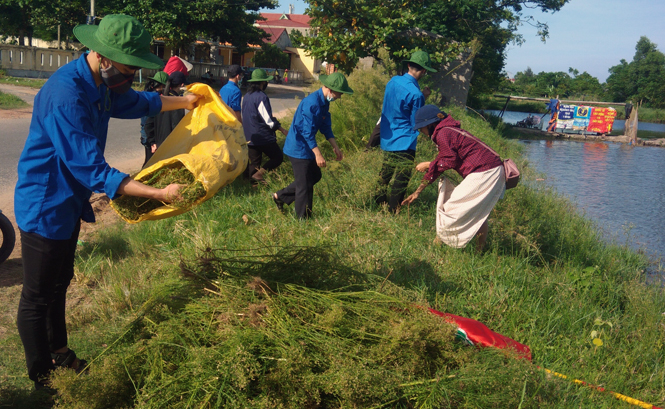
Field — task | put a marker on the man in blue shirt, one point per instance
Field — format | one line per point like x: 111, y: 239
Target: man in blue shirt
x: 398, y: 138
x: 63, y: 162
x: 230, y: 92
x: 300, y: 146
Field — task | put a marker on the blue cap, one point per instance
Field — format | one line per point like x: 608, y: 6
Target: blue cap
x: 428, y: 115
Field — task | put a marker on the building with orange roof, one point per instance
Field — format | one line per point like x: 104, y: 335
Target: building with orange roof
x: 287, y: 21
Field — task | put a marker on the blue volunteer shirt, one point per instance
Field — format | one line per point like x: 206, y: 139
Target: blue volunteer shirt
x: 400, y: 102
x: 311, y: 117
x: 63, y: 162
x: 231, y: 95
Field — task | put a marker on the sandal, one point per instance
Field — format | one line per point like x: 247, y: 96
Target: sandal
x: 278, y: 202
x: 68, y: 360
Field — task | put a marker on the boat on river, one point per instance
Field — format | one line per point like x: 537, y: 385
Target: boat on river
x: 582, y: 121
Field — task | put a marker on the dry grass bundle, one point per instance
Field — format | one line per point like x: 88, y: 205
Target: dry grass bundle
x: 132, y: 207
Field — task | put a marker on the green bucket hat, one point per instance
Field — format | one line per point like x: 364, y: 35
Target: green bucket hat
x: 421, y: 58
x: 260, y: 75
x: 160, y: 77
x: 336, y: 82
x: 120, y: 38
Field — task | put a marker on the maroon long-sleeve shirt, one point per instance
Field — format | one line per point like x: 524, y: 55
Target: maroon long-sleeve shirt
x: 459, y: 152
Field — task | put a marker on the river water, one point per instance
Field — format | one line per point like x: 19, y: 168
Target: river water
x: 621, y: 187
x: 644, y: 129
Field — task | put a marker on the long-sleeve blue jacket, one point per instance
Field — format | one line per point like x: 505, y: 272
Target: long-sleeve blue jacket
x: 400, y: 102
x: 63, y: 162
x: 311, y: 117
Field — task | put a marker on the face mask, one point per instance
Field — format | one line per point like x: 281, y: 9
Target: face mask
x: 330, y: 98
x: 115, y: 80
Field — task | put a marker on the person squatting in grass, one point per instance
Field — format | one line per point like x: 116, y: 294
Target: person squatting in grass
x: 63, y: 162
x: 259, y: 126
x: 230, y: 92
x: 462, y: 211
x: 398, y: 139
x: 160, y: 126
x: 300, y: 146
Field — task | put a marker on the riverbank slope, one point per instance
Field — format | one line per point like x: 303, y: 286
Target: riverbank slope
x: 237, y: 305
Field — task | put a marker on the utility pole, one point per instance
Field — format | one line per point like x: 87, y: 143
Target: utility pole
x: 91, y: 17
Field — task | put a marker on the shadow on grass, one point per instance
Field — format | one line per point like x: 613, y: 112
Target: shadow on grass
x: 314, y: 267
x: 309, y: 266
x: 112, y: 246
x: 12, y: 397
x: 418, y: 274
x: 11, y: 272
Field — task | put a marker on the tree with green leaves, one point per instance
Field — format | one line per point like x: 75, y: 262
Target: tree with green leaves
x: 296, y: 37
x: 350, y: 30
x: 271, y: 56
x: 643, y: 79
x: 15, y: 19
x: 552, y: 84
x: 180, y: 23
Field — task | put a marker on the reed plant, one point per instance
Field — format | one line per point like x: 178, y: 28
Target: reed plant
x: 235, y: 304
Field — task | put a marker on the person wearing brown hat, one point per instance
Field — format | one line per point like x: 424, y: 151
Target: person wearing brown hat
x: 63, y: 162
x: 401, y: 100
x: 300, y: 146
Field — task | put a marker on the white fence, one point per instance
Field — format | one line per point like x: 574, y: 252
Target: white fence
x: 32, y: 62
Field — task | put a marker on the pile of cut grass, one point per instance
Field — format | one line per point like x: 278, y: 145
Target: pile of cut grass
x: 268, y: 342
x: 132, y: 207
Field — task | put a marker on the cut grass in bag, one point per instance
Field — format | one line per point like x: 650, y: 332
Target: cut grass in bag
x: 205, y: 152
x: 132, y: 207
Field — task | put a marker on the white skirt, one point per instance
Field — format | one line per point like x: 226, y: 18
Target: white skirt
x: 461, y: 210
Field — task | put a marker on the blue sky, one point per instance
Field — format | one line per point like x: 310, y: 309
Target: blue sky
x: 589, y: 35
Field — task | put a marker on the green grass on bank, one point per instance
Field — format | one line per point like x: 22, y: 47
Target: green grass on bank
x: 652, y: 115
x: 9, y: 101
x: 24, y: 82
x: 213, y: 309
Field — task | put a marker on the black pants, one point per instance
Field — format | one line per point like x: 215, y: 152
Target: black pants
x: 374, y: 137
x: 399, y: 164
x: 271, y: 150
x: 148, y: 153
x: 48, y: 268
x: 306, y: 174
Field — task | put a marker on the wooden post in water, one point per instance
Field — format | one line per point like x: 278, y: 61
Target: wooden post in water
x: 504, y: 107
x: 630, y: 128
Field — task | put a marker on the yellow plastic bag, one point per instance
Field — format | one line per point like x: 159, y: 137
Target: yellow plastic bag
x: 208, y: 141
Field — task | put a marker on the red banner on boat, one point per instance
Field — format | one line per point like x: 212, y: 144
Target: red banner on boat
x: 602, y: 120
